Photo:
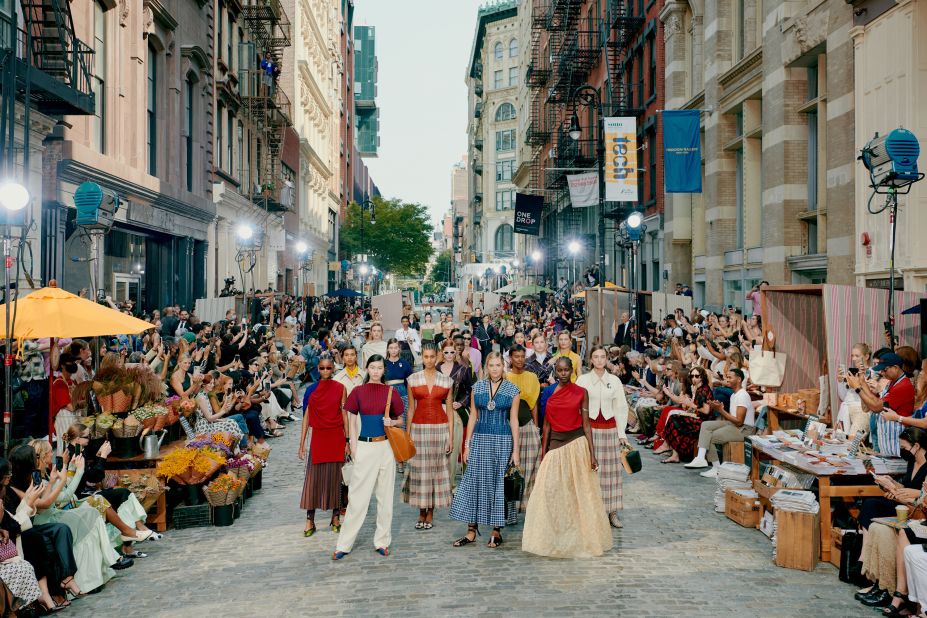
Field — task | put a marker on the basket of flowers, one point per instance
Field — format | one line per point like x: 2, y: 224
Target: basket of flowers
x: 240, y: 467
x: 147, y: 414
x: 261, y: 451
x: 101, y: 425
x: 129, y: 427
x: 190, y: 466
x: 220, y: 442
x: 223, y: 490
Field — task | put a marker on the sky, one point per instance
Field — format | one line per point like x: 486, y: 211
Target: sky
x: 423, y: 49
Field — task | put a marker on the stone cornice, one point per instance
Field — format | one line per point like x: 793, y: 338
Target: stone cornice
x: 742, y: 71
x: 197, y: 55
x: 161, y: 15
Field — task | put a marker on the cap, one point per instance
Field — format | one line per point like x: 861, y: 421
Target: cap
x: 189, y: 337
x: 889, y: 360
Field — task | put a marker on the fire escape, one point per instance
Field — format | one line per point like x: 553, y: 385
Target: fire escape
x: 43, y: 65
x: 264, y: 101
x: 623, y: 27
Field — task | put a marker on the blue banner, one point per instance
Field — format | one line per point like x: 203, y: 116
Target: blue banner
x: 682, y: 158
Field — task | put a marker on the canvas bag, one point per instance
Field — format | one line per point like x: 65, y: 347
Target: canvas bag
x: 767, y: 367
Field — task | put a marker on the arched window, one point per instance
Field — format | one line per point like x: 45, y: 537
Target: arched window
x: 504, y: 238
x: 513, y: 48
x: 497, y: 51
x: 506, y: 111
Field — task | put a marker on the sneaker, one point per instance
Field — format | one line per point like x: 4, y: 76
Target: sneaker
x: 698, y: 462
x: 709, y: 474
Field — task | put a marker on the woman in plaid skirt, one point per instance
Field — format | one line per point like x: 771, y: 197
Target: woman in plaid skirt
x: 492, y: 442
x: 608, y: 417
x: 431, y: 426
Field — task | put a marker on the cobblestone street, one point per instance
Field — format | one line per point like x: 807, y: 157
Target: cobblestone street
x: 675, y: 557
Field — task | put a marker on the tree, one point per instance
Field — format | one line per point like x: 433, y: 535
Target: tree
x: 398, y: 243
x: 440, y: 272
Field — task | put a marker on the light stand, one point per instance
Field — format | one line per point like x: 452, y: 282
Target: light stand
x: 13, y: 198
x: 632, y: 230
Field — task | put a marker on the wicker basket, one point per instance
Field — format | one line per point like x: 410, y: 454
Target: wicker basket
x: 127, y: 431
x: 242, y: 472
x: 117, y: 402
x: 220, y: 498
x: 97, y: 432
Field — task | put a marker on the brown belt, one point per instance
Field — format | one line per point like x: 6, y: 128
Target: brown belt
x: 374, y: 439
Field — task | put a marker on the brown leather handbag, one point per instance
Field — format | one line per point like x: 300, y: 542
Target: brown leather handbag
x: 401, y: 442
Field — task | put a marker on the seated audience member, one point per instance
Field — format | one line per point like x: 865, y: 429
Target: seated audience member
x: 734, y: 425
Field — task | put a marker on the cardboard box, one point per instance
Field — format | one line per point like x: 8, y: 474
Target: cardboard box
x: 733, y: 452
x: 742, y: 509
x: 836, y: 546
x: 798, y: 540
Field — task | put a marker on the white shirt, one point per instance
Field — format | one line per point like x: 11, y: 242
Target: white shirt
x: 412, y: 337
x: 741, y: 399
x: 606, y: 396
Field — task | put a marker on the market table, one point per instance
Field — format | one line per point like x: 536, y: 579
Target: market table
x: 847, y: 479
x: 153, y: 493
x: 774, y: 412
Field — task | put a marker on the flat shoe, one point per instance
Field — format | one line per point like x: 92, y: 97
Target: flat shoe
x: 419, y: 525
x: 427, y: 525
x: 309, y: 532
x: 383, y: 551
x: 338, y: 555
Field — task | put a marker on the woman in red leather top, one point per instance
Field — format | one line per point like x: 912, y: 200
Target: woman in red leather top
x: 431, y: 426
x: 566, y: 481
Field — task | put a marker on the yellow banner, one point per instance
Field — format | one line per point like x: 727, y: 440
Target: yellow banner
x: 621, y: 159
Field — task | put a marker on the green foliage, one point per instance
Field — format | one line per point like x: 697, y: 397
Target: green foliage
x: 440, y: 272
x: 399, y: 241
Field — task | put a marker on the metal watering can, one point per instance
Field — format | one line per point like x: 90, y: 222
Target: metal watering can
x: 151, y: 444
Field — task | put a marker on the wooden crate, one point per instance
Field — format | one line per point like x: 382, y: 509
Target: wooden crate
x: 836, y: 545
x: 742, y: 509
x: 733, y: 452
x: 798, y: 540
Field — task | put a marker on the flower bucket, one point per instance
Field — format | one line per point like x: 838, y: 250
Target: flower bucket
x: 257, y: 480
x: 124, y: 448
x: 236, y: 513
x: 249, y: 490
x: 194, y: 494
x: 223, y: 515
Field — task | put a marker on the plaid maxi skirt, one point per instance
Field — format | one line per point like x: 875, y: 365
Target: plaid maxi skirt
x: 480, y: 497
x: 608, y: 453
x: 427, y: 484
x: 529, y: 449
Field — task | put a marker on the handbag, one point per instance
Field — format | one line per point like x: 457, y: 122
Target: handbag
x: 767, y: 367
x: 850, y: 567
x: 513, y: 484
x: 631, y: 460
x: 401, y: 442
x: 347, y: 471
x: 8, y: 550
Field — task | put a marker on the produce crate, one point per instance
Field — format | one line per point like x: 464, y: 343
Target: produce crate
x: 742, y: 509
x: 192, y: 516
x: 798, y: 540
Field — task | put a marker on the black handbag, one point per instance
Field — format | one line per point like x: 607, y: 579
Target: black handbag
x: 514, y: 484
x: 524, y: 413
x: 851, y: 569
x: 631, y: 460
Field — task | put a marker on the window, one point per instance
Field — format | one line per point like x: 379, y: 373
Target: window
x: 152, y: 109
x: 504, y: 170
x: 497, y: 79
x: 652, y: 155
x: 653, y: 66
x: 241, y: 149
x: 513, y: 76
x: 505, y: 199
x: 220, y: 113
x: 513, y: 48
x: 506, y: 111
x: 497, y: 51
x: 99, y: 80
x: 228, y: 137
x: 188, y: 121
x: 220, y: 30
x: 740, y: 29
x: 812, y: 140
x: 739, y: 189
x: 504, y: 238
x: 505, y: 140
x: 640, y: 78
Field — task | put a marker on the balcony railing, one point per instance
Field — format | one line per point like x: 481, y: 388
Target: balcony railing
x: 478, y: 143
x: 478, y: 110
x: 60, y: 65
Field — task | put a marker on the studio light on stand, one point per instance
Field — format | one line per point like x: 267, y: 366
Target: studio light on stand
x: 634, y: 229
x: 892, y: 164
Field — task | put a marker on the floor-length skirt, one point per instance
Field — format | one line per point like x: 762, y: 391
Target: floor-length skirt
x: 529, y: 449
x: 566, y: 517
x: 19, y: 577
x: 93, y: 551
x: 681, y: 433
x: 607, y: 445
x: 879, y: 558
x: 427, y: 484
x: 480, y: 497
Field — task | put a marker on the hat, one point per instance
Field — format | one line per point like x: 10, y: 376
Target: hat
x: 889, y: 360
x: 189, y: 337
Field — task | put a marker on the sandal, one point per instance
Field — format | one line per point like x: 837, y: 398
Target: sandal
x: 336, y: 527
x: 383, y: 551
x: 427, y: 525
x: 669, y: 460
x: 135, y: 554
x: 419, y: 525
x: 495, y: 539
x: 309, y: 532
x: 75, y: 591
x: 57, y: 607
x: 466, y: 540
x: 338, y: 555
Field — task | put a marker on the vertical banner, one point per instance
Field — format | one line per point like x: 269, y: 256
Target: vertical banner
x: 682, y: 157
x: 528, y: 210
x: 584, y: 189
x: 621, y: 159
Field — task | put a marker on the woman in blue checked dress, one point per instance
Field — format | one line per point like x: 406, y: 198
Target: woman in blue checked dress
x: 492, y: 442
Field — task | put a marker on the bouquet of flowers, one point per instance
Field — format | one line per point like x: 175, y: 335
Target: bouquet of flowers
x: 242, y: 467
x: 189, y: 466
x: 223, y: 490
x: 220, y: 442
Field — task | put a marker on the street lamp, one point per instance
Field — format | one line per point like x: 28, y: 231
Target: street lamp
x: 573, y: 247
x: 13, y: 198
x: 632, y: 231
x: 536, y: 257
x: 590, y: 96
x: 301, y: 247
x: 244, y: 231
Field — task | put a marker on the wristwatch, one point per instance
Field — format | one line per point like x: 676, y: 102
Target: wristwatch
x: 858, y: 390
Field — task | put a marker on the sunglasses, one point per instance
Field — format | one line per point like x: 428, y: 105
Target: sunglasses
x: 326, y: 368
x: 446, y: 352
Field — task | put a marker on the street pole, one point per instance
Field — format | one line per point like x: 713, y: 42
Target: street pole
x: 600, y: 155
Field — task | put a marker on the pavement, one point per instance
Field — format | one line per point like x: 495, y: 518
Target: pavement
x: 674, y: 557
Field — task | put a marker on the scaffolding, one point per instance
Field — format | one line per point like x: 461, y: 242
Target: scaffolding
x: 263, y: 100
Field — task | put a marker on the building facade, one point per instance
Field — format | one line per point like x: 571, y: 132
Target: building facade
x: 149, y: 142
x: 366, y: 112
x: 460, y: 213
x: 775, y: 83
x: 615, y: 49
x: 493, y: 79
x: 314, y: 86
x: 889, y: 62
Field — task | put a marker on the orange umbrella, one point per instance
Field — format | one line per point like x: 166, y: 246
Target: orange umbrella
x: 53, y: 312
